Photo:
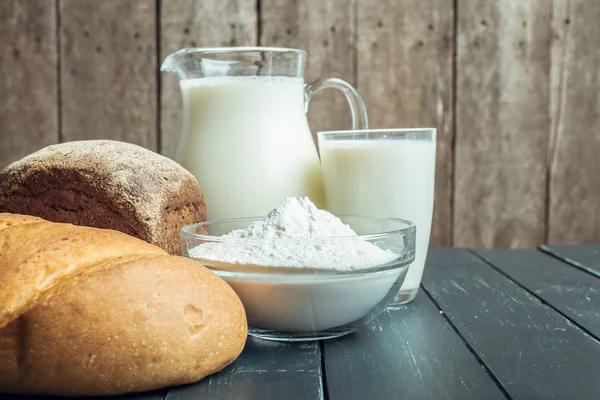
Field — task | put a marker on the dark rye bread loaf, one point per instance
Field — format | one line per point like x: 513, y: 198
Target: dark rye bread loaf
x: 105, y: 184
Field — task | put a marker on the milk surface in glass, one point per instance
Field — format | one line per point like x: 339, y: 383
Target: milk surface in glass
x: 384, y: 177
x: 247, y: 141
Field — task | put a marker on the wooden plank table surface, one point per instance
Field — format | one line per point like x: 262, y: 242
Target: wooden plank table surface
x: 487, y: 324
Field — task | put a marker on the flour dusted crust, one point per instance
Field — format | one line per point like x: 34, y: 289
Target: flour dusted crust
x: 86, y: 312
x: 105, y: 184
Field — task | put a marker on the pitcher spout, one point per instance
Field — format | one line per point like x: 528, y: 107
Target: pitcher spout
x: 170, y: 63
x: 186, y: 63
x: 199, y: 63
x: 167, y: 64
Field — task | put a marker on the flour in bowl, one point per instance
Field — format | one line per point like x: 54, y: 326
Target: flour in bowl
x: 333, y: 245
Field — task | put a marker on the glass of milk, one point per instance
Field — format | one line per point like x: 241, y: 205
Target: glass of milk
x: 385, y: 173
x: 245, y: 135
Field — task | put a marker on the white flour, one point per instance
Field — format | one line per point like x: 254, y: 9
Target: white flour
x: 303, y: 303
x: 296, y: 218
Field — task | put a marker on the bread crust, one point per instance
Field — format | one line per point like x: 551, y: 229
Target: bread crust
x: 105, y: 184
x: 37, y: 256
x: 132, y: 322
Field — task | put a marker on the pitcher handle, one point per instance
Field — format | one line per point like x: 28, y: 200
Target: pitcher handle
x: 356, y: 103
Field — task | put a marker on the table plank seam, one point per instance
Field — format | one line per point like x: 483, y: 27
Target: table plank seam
x: 569, y: 261
x: 323, y: 374
x: 541, y: 300
x: 467, y: 345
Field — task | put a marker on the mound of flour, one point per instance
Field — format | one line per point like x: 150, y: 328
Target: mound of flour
x: 295, y: 219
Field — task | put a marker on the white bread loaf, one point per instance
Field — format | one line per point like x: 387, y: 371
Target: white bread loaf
x: 86, y: 311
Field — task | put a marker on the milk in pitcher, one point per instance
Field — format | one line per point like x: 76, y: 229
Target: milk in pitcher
x: 247, y: 141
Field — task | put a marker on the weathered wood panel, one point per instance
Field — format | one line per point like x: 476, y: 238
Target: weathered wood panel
x: 409, y: 353
x: 264, y: 370
x: 526, y: 89
x: 574, y: 160
x: 192, y: 23
x: 501, y: 122
x: 28, y: 77
x: 404, y: 61
x: 301, y: 385
x: 108, y: 70
x: 325, y: 30
x: 153, y: 395
x: 569, y: 290
x: 586, y: 256
x: 533, y: 351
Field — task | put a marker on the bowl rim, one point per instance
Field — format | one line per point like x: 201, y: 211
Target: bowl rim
x: 402, y: 262
x: 295, y: 274
x: 410, y: 228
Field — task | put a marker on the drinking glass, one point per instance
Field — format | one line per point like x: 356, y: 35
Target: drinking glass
x: 384, y: 173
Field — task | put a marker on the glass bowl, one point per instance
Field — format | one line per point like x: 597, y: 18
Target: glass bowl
x: 308, y: 301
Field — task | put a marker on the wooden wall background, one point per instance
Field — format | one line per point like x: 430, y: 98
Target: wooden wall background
x: 513, y: 87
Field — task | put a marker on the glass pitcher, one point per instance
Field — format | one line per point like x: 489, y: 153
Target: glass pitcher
x: 245, y: 135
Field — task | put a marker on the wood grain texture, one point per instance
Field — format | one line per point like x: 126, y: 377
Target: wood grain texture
x: 275, y: 385
x: 586, y: 256
x: 28, y: 78
x: 192, y: 23
x: 108, y: 70
x: 325, y: 30
x: 265, y: 370
x: 533, y: 351
x: 404, y: 58
x: 154, y: 395
x: 574, y: 192
x: 569, y: 290
x: 410, y: 353
x: 501, y: 122
x: 261, y: 355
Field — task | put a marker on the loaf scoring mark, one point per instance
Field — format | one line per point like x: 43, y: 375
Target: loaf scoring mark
x: 47, y: 278
x: 193, y: 317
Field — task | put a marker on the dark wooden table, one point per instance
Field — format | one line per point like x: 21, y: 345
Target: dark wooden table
x: 488, y: 324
